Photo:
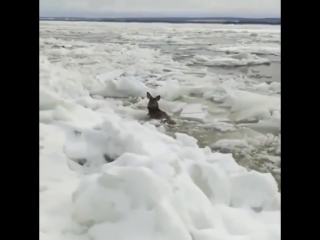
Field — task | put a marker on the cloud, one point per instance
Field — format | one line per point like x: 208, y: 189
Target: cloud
x: 172, y: 7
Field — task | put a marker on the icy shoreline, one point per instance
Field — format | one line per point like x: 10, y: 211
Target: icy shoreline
x: 157, y: 187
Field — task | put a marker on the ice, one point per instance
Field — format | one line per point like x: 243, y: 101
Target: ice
x: 193, y: 112
x: 120, y: 88
x: 240, y: 59
x: 106, y: 175
x: 245, y: 105
x: 271, y: 125
x: 264, y: 198
x: 171, y: 90
x: 272, y: 88
x: 47, y: 100
x: 219, y: 125
x: 45, y: 116
x: 272, y: 49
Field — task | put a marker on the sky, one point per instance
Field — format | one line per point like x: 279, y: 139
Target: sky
x: 148, y: 8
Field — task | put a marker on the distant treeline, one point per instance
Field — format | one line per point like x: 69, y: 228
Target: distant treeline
x: 270, y: 21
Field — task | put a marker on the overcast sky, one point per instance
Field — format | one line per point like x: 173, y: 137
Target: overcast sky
x: 125, y: 8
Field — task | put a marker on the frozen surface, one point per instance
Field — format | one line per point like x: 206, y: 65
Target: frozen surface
x: 273, y: 49
x: 193, y: 112
x: 239, y: 59
x: 106, y: 172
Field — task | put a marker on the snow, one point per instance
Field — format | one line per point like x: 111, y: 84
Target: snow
x: 134, y: 181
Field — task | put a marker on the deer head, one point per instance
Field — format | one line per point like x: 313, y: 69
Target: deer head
x: 153, y: 102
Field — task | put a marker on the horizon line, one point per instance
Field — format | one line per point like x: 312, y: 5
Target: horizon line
x: 113, y: 17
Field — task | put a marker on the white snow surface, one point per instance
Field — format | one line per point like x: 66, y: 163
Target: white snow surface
x: 158, y: 187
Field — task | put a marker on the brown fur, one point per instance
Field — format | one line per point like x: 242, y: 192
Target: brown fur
x: 155, y: 112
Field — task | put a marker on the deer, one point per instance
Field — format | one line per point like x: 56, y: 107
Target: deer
x: 155, y: 112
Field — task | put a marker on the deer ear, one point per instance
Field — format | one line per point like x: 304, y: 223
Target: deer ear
x: 158, y: 97
x: 149, y: 95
